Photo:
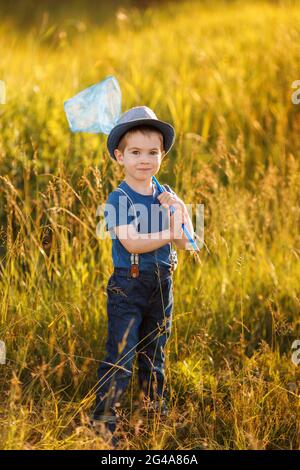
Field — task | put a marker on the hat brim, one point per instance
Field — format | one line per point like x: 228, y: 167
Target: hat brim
x: 119, y: 130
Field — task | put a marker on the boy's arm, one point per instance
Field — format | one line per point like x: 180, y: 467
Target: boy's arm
x: 135, y: 242
x: 118, y: 223
x: 183, y: 242
x: 171, y: 199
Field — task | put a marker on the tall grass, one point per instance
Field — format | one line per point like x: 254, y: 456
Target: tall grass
x: 222, y: 75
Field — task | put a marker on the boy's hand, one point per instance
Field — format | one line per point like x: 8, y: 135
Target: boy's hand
x: 167, y: 199
x: 179, y: 217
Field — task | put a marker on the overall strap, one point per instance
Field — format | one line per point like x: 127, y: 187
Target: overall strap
x: 134, y: 257
x: 131, y: 203
x: 173, y: 252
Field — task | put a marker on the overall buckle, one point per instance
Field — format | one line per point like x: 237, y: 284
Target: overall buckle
x: 134, y: 270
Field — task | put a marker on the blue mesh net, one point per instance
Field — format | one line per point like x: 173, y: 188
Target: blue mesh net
x: 95, y: 109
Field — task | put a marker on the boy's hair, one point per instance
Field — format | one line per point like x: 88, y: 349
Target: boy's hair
x: 144, y: 129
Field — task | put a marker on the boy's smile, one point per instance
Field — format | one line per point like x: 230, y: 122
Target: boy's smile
x: 141, y: 159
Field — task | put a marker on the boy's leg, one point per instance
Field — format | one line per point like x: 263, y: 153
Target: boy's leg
x: 154, y: 333
x: 114, y: 373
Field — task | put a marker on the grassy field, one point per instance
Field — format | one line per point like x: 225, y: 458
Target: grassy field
x: 222, y: 75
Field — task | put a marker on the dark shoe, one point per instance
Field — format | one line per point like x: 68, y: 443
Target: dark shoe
x: 101, y: 418
x: 104, y: 426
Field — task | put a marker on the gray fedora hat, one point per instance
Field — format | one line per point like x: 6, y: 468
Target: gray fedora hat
x: 137, y: 116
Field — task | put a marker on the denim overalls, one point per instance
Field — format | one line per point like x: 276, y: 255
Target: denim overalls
x: 139, y: 321
x: 139, y: 311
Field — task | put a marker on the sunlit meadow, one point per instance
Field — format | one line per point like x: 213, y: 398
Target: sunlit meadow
x: 222, y: 74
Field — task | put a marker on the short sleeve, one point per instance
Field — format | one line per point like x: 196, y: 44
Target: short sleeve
x: 117, y: 210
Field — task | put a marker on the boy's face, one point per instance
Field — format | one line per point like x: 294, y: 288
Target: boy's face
x: 142, y: 156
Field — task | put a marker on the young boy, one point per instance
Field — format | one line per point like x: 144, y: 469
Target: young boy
x: 140, y: 290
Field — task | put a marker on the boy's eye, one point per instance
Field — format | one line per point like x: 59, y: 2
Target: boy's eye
x: 153, y: 152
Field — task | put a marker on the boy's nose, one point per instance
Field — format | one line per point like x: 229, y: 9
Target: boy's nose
x: 144, y: 161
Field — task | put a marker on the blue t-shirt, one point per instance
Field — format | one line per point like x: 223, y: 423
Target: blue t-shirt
x: 147, y: 215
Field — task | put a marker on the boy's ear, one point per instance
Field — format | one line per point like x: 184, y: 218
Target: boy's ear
x: 119, y: 156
